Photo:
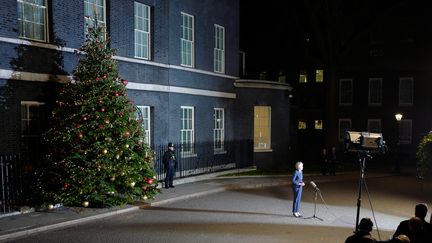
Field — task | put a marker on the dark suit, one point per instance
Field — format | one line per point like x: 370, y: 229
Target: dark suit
x: 420, y: 236
x: 170, y: 165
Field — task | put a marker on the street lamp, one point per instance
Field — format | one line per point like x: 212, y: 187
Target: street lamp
x: 398, y: 117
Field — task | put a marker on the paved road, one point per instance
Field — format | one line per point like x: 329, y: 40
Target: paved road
x: 258, y: 215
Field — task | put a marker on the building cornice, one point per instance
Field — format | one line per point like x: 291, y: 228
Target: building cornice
x: 43, y: 77
x: 120, y: 58
x: 261, y: 84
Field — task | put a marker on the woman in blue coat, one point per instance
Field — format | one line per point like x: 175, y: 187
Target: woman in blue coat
x: 297, y: 185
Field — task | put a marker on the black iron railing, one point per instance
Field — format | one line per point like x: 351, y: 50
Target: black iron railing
x: 10, y: 183
x: 198, y: 158
x: 202, y: 157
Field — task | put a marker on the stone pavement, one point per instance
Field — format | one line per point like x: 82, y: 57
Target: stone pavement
x: 30, y: 223
x: 19, y: 225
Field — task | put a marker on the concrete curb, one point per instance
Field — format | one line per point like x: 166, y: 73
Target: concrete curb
x: 66, y: 223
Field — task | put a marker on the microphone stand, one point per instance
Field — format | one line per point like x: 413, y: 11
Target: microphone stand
x: 317, y: 190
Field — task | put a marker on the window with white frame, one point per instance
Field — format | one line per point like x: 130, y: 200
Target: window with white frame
x: 344, y: 126
x: 406, y: 91
x: 142, y: 31
x: 144, y: 116
x: 405, y: 131
x: 319, y: 75
x: 374, y: 125
x: 345, y: 91
x: 32, y: 112
x: 262, y: 127
x: 187, y: 40
x: 33, y: 120
x: 94, y: 10
x: 32, y: 19
x: 187, y: 131
x: 219, y: 50
x: 375, y: 92
x: 219, y: 129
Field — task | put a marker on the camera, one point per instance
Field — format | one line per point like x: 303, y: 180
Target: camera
x: 367, y: 142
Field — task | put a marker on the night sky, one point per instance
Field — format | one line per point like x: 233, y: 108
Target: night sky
x: 281, y: 33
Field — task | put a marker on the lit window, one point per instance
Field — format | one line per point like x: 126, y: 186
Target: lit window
x: 319, y: 76
x: 142, y: 31
x: 262, y: 127
x: 187, y: 130
x: 219, y: 129
x: 303, y: 77
x: 94, y: 10
x: 318, y: 124
x: 219, y: 50
x: 187, y: 40
x: 144, y: 115
x: 32, y: 19
x: 301, y: 125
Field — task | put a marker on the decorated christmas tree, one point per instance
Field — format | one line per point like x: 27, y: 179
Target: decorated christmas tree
x: 97, y: 155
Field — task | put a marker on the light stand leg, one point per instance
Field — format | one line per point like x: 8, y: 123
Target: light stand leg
x: 362, y: 166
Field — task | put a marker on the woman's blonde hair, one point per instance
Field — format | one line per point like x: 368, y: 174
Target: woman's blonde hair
x: 298, y: 164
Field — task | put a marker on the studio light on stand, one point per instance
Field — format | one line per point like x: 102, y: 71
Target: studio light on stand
x: 364, y: 144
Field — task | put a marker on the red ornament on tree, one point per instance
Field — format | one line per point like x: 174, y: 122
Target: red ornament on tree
x: 150, y: 181
x: 97, y: 78
x: 78, y: 125
x: 124, y: 82
x: 102, y: 109
x: 116, y: 94
x: 66, y: 185
x: 104, y: 76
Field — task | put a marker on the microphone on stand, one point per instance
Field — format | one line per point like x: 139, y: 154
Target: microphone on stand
x: 314, y: 185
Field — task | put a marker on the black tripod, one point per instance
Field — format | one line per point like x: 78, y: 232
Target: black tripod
x: 362, y: 158
x: 317, y: 191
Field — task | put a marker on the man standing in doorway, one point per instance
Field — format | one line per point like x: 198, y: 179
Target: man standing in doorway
x: 170, y: 165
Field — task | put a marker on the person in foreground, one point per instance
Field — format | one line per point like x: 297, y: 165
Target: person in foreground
x: 416, y: 228
x: 362, y: 235
x: 297, y: 186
